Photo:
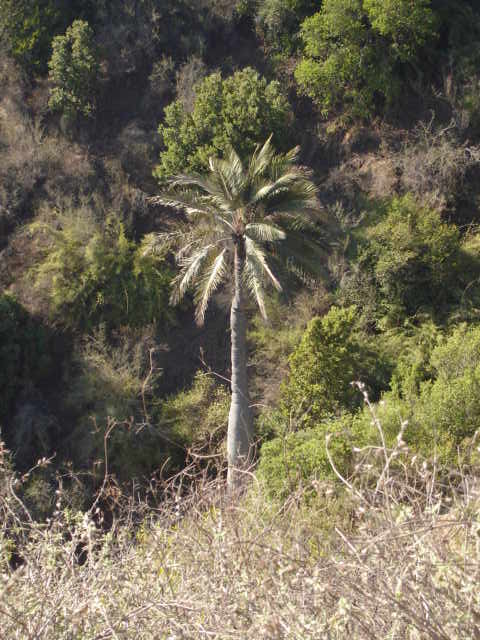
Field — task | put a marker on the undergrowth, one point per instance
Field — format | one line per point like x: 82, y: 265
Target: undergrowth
x: 392, y: 551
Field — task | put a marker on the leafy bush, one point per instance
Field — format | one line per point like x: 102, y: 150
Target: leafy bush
x: 278, y: 21
x: 30, y: 25
x: 409, y: 258
x: 300, y: 458
x: 74, y: 68
x: 111, y: 394
x: 411, y: 350
x: 240, y: 111
x: 435, y: 395
x: 199, y: 414
x: 408, y: 26
x: 92, y: 274
x: 415, y: 255
x: 436, y: 387
x: 448, y: 405
x: 328, y: 359
x: 354, y: 52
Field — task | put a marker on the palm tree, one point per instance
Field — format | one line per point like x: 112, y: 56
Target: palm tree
x: 232, y: 214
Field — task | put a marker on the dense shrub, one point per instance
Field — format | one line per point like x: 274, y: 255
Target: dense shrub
x: 354, y: 52
x: 408, y: 261
x: 92, y: 274
x: 295, y: 459
x: 198, y: 415
x: 448, y: 405
x: 279, y: 20
x: 239, y: 111
x: 111, y: 394
x: 328, y: 359
x: 434, y: 404
x: 30, y: 25
x: 436, y: 387
x: 74, y: 68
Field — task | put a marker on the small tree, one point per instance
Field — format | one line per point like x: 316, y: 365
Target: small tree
x: 28, y: 26
x: 356, y: 52
x: 237, y: 111
x: 322, y: 368
x: 74, y: 70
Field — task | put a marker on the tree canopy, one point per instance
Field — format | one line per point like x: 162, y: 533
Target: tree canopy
x: 354, y: 51
x: 239, y: 111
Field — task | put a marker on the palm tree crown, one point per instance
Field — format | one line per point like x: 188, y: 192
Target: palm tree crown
x: 235, y: 204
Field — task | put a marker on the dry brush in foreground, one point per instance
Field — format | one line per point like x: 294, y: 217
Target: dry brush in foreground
x: 392, y: 553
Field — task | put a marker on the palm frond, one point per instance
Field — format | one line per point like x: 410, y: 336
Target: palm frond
x: 208, y: 286
x: 221, y: 176
x: 261, y: 158
x: 256, y: 255
x: 236, y: 173
x: 264, y: 232
x: 186, y: 201
x: 191, y: 266
x: 253, y: 277
x: 281, y: 184
x: 194, y: 181
x: 283, y: 162
x: 158, y: 244
x: 299, y: 197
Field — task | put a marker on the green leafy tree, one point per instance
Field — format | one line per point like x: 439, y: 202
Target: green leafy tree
x: 409, y: 262
x: 232, y: 214
x: 353, y: 51
x: 322, y: 368
x: 239, y: 111
x: 28, y: 26
x: 74, y: 69
x: 407, y: 26
x: 415, y: 254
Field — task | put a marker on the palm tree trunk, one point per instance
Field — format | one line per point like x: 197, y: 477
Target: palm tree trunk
x: 240, y: 422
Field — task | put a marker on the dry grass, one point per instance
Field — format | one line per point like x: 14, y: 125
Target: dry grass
x: 395, y: 555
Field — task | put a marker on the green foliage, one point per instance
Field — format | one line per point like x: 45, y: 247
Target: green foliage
x: 322, y: 368
x: 458, y: 353
x: 92, y: 274
x: 199, y: 414
x: 297, y: 459
x: 239, y: 111
x: 408, y: 25
x: 23, y: 352
x: 436, y: 392
x: 278, y: 21
x: 409, y: 258
x: 354, y: 52
x: 411, y: 349
x: 436, y: 387
x: 448, y: 406
x: 74, y: 68
x: 415, y: 255
x: 30, y: 25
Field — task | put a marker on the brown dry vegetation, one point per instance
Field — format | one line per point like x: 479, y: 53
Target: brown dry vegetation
x: 396, y: 555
